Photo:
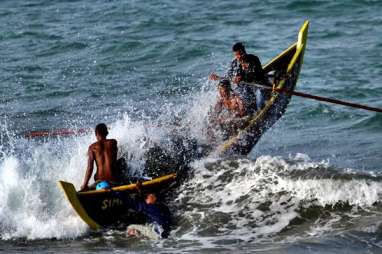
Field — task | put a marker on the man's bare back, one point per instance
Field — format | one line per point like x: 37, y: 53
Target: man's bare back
x: 104, y: 154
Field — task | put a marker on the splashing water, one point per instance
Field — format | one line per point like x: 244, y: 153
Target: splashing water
x: 224, y: 199
x: 245, y: 200
x: 32, y: 206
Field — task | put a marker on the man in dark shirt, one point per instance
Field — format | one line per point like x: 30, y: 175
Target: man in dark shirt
x: 254, y: 73
x: 157, y: 215
x: 238, y: 52
x: 238, y: 74
x: 252, y: 69
x: 245, y: 91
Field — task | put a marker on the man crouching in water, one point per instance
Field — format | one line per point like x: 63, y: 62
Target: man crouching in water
x: 158, y: 216
x: 104, y: 154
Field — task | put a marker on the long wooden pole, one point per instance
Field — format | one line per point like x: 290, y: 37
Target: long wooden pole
x: 320, y: 98
x: 60, y: 132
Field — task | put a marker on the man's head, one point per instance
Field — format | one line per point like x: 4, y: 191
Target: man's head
x: 238, y: 50
x: 151, y: 198
x: 101, y: 131
x: 224, y: 88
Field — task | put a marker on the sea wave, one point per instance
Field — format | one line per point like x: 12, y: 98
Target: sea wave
x: 251, y: 200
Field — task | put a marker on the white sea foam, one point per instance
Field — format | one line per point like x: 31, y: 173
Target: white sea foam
x: 27, y: 211
x: 263, y: 197
x: 259, y: 198
x: 31, y: 204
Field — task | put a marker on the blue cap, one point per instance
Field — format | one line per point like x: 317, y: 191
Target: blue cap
x: 102, y: 185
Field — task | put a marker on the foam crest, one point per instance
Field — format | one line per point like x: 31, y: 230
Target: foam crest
x: 249, y: 200
x: 329, y: 192
x: 31, y: 205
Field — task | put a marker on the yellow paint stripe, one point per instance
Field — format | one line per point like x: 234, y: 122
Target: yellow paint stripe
x: 303, y: 34
x: 294, y: 60
x: 133, y: 186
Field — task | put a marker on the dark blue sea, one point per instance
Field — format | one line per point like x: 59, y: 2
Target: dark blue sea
x: 313, y: 184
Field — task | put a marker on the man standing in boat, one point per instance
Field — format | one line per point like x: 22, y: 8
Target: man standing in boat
x: 239, y: 52
x: 245, y: 69
x: 104, y: 154
x: 252, y: 73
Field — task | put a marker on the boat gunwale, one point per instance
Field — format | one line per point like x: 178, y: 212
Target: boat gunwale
x: 131, y: 186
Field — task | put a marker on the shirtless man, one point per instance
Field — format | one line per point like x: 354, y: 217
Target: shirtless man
x: 104, y: 154
x: 229, y: 101
x: 228, y: 113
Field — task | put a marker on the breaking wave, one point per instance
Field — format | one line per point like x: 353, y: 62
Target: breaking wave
x: 234, y: 199
x: 252, y: 200
x: 31, y: 204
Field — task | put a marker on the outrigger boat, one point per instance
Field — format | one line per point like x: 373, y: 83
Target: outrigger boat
x: 284, y: 70
x: 102, y: 208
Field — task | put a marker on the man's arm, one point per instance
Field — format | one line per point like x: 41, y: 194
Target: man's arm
x: 214, y: 112
x: 259, y: 74
x: 258, y: 65
x: 230, y: 72
x: 89, y: 170
x: 214, y: 76
x: 115, y: 149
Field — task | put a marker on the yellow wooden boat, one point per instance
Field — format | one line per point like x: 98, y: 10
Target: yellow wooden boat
x: 102, y: 208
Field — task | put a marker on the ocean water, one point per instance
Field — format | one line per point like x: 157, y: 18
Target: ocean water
x: 313, y: 184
